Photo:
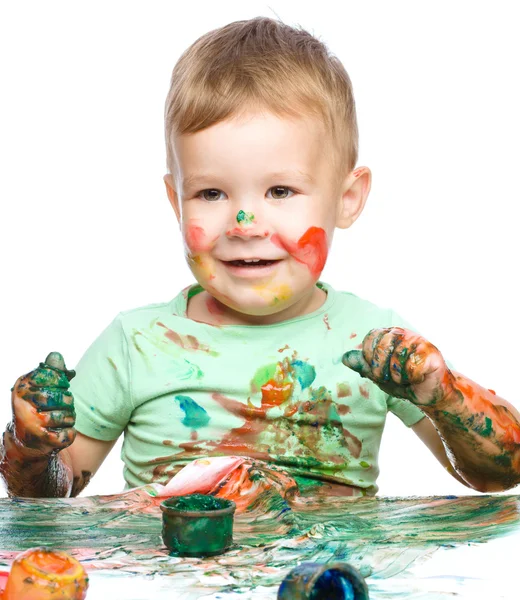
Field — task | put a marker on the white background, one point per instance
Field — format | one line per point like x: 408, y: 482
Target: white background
x: 87, y: 231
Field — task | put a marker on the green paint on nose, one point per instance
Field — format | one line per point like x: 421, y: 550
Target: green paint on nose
x: 245, y: 218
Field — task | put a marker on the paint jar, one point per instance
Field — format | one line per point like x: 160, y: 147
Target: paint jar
x: 44, y: 574
x: 318, y: 581
x: 197, y: 525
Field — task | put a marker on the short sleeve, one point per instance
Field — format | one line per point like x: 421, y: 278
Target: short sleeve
x: 101, y: 388
x: 404, y: 410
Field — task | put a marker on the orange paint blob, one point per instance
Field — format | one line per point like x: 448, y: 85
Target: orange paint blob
x: 310, y: 250
x: 196, y: 239
x: 43, y: 574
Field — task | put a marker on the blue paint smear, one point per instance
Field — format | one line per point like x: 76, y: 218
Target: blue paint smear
x: 195, y: 415
x: 305, y: 373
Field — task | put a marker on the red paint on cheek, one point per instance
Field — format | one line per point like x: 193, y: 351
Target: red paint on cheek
x: 196, y: 239
x: 311, y: 249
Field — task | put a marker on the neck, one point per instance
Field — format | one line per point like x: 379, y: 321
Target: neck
x: 206, y: 309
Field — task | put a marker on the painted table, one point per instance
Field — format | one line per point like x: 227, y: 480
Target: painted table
x: 420, y: 548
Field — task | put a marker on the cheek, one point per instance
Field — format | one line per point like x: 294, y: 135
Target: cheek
x: 311, y: 249
x: 196, y: 239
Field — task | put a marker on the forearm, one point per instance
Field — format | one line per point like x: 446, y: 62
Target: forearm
x: 29, y: 474
x: 481, y: 432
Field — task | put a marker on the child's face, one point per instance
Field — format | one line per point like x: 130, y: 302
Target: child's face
x: 258, y: 200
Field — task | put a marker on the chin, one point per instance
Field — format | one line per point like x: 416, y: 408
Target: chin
x: 254, y: 305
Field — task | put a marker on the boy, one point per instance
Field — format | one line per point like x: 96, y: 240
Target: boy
x: 260, y: 359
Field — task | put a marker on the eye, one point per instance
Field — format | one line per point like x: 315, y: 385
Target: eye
x: 210, y: 195
x: 280, y: 192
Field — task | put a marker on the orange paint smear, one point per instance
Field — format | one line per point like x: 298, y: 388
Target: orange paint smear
x: 501, y: 416
x: 310, y: 250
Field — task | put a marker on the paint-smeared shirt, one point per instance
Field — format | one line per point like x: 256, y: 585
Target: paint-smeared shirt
x: 182, y: 390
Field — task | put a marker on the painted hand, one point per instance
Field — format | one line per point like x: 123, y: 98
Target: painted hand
x: 43, y: 408
x: 403, y: 364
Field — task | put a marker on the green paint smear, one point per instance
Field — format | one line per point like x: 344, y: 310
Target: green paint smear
x: 245, y: 218
x: 488, y: 429
x: 381, y: 536
x: 196, y: 502
x: 262, y: 376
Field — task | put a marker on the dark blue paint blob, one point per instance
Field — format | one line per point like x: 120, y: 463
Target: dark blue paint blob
x: 333, y: 585
x: 305, y: 373
x: 195, y: 415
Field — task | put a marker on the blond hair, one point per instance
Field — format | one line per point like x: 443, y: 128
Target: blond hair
x: 262, y: 63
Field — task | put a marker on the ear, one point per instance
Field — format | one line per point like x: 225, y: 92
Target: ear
x: 354, y: 193
x: 172, y: 195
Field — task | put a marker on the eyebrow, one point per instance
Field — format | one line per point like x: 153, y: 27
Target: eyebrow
x: 204, y: 178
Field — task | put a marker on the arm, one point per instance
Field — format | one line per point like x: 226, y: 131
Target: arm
x: 427, y: 433
x: 61, y: 474
x: 480, y: 431
x: 41, y: 455
x: 83, y: 458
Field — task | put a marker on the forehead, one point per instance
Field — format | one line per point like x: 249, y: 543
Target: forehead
x: 255, y: 142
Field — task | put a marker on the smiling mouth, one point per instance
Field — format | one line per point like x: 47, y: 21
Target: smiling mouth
x: 252, y: 263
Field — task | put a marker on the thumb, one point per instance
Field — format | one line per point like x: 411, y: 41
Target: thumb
x: 355, y: 360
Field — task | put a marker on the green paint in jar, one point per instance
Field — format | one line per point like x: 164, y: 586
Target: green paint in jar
x: 197, y: 525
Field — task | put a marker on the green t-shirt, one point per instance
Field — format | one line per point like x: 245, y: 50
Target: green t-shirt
x: 182, y: 390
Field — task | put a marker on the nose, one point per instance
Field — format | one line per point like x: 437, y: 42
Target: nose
x: 245, y: 225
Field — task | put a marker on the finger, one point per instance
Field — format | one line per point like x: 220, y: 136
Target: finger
x: 384, y: 346
x: 45, y: 376
x: 56, y: 439
x: 57, y: 419
x: 355, y: 360
x: 370, y: 342
x: 415, y: 358
x: 56, y: 361
x: 47, y: 398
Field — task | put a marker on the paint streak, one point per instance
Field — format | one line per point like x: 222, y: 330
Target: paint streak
x: 214, y: 307
x: 181, y: 368
x: 196, y: 239
x: 353, y: 335
x: 389, y: 540
x: 112, y: 363
x: 240, y: 231
x: 326, y: 321
x: 343, y: 390
x: 357, y: 172
x: 294, y: 423
x: 364, y: 391
x: 194, y: 415
x: 274, y: 293
x: 310, y: 250
x: 286, y: 347
x: 187, y: 342
x: 201, y: 266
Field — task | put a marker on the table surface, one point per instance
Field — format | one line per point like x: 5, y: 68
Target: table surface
x: 420, y: 548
